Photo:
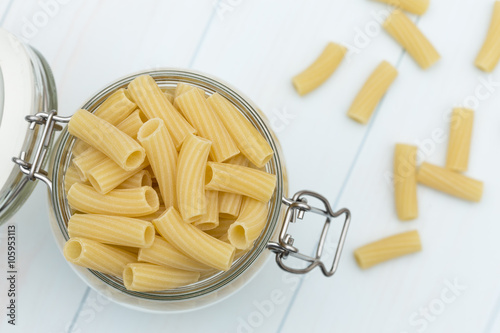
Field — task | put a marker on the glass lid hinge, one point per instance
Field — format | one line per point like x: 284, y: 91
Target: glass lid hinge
x: 33, y: 169
x: 297, y: 207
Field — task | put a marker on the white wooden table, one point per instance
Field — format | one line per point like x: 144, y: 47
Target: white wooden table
x: 258, y: 46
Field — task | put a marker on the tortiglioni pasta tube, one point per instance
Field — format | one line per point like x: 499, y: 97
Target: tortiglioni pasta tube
x: 406, y: 33
x: 320, y: 70
x: 405, y: 181
x: 372, y: 92
x: 388, y: 248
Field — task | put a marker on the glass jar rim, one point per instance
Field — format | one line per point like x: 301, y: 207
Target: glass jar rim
x: 192, y: 294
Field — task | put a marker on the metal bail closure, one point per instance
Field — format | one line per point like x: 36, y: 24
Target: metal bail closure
x: 33, y: 169
x: 297, y: 207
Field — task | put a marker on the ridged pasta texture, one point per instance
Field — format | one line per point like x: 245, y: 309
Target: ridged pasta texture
x: 153, y: 102
x: 372, y: 92
x: 107, y: 175
x: 249, y: 224
x: 113, y: 230
x: 461, y: 123
x: 248, y: 139
x: 116, y: 107
x: 320, y: 70
x: 405, y: 181
x: 131, y: 124
x: 238, y: 179
x: 131, y: 202
x: 418, y: 7
x: 230, y: 203
x: 103, y: 136
x: 193, y: 242
x: 190, y: 179
x: 388, y: 248
x: 164, y: 254
x: 407, y: 34
x: 488, y: 56
x: 210, y: 219
x: 142, y: 178
x: 198, y: 112
x: 106, y: 259
x: 450, y: 182
x: 162, y: 154
x: 148, y: 277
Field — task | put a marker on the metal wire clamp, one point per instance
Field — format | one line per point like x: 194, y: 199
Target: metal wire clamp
x: 297, y: 207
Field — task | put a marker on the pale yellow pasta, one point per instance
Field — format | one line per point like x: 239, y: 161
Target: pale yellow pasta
x: 230, y: 203
x: 239, y: 253
x: 114, y: 230
x: 116, y: 107
x: 418, y: 7
x: 103, y: 136
x: 165, y: 254
x: 106, y: 259
x: 320, y: 70
x: 222, y: 228
x: 142, y: 178
x: 248, y: 139
x: 238, y: 179
x: 450, y: 182
x: 372, y: 92
x: 153, y: 102
x: 249, y: 224
x: 162, y: 156
x: 130, y: 202
x: 154, y: 215
x: 170, y: 97
x: 157, y: 189
x: 91, y: 157
x: 148, y: 277
x: 388, y: 248
x: 79, y: 147
x: 198, y: 112
x: 131, y: 124
x: 209, y: 220
x: 191, y: 170
x: 488, y: 56
x: 87, y: 160
x: 133, y: 250
x: 406, y: 33
x: 405, y: 181
x: 107, y: 175
x: 182, y: 88
x: 115, y: 110
x: 71, y: 177
x: 193, y: 242
x: 457, y: 158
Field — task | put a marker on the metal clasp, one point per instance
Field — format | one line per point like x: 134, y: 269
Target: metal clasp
x: 297, y: 207
x: 33, y: 169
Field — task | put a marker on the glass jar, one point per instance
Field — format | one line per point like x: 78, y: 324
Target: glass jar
x: 274, y: 239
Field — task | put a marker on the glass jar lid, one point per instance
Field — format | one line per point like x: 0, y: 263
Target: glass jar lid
x: 26, y: 88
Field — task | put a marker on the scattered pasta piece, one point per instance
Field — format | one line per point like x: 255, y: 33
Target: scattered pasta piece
x: 450, y: 182
x: 406, y: 33
x: 418, y: 7
x: 488, y: 56
x: 405, y: 181
x: 320, y: 70
x: 372, y: 92
x: 459, y: 140
x: 388, y: 248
